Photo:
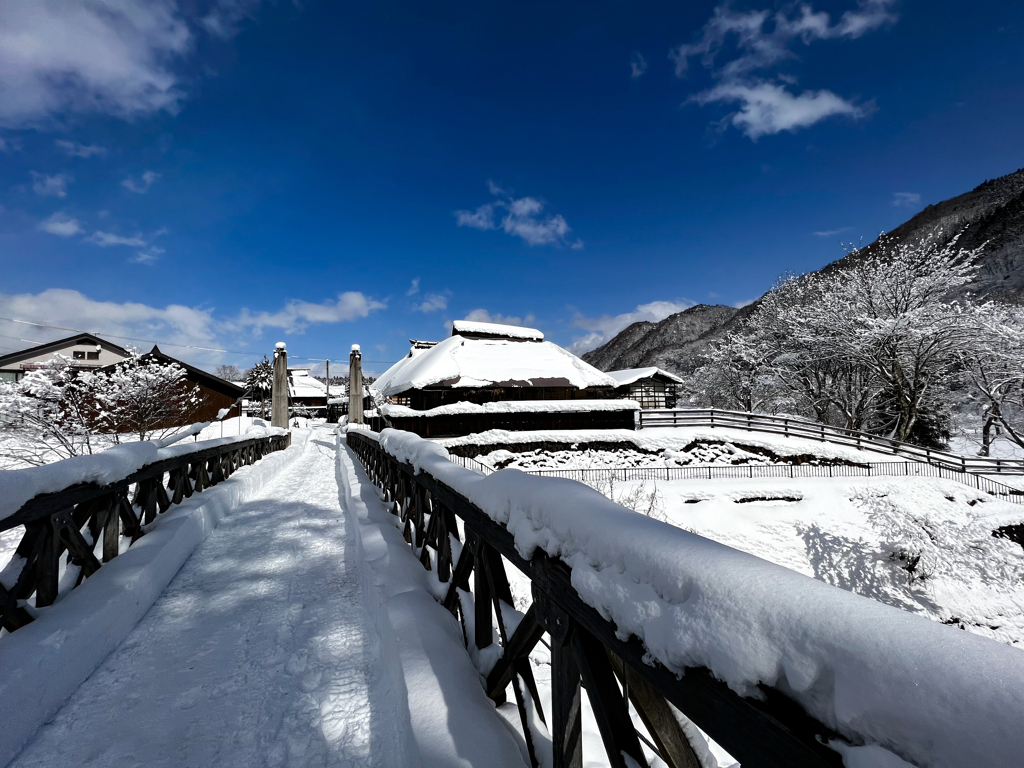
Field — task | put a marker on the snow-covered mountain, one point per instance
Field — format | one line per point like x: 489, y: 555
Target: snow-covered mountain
x: 991, y: 216
x: 671, y: 344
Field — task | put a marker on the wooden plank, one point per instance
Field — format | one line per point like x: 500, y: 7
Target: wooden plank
x: 606, y: 701
x: 657, y: 716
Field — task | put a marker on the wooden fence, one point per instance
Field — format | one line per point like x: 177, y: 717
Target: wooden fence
x: 771, y: 731
x: 54, y: 522
x: 750, y: 471
x: 757, y: 422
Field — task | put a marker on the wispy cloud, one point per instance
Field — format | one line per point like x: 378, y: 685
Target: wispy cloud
x: 763, y: 40
x: 521, y: 217
x: 74, y: 149
x: 768, y: 108
x: 298, y: 315
x: 830, y: 232
x: 433, y: 302
x: 52, y: 186
x: 414, y: 287
x: 62, y: 225
x: 906, y: 199
x: 637, y: 64
x: 602, y: 329
x: 107, y: 239
x: 142, y: 257
x: 142, y: 187
x: 483, y: 316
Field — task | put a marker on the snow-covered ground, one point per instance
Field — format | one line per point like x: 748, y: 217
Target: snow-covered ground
x: 258, y: 653
x: 921, y: 544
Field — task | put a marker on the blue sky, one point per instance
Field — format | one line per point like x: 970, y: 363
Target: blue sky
x: 232, y: 173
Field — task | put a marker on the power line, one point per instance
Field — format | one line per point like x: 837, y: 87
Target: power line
x: 165, y: 343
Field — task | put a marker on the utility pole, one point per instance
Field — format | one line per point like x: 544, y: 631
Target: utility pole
x: 279, y: 396
x: 355, y: 386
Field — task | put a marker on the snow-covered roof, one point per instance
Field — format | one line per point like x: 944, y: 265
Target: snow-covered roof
x: 301, y: 384
x: 632, y: 375
x: 471, y: 329
x: 467, y: 363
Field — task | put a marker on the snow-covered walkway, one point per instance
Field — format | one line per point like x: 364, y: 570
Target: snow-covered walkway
x: 259, y: 652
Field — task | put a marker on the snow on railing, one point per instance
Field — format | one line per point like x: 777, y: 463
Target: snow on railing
x: 86, y: 504
x: 784, y: 425
x: 778, y: 668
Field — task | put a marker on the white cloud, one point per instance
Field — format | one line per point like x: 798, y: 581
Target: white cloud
x: 62, y: 225
x: 602, y: 329
x: 148, y: 178
x: 74, y: 149
x: 175, y: 323
x: 298, y: 315
x: 433, y: 302
x: 830, y: 232
x: 768, y: 108
x: 106, y: 239
x: 106, y: 56
x: 483, y: 316
x: 522, y: 219
x: 141, y: 257
x: 763, y: 40
x: 481, y: 218
x: 414, y: 287
x: 907, y: 199
x: 53, y: 186
x: 637, y: 64
x: 224, y: 17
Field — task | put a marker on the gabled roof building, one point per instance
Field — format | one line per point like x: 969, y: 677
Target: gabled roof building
x: 487, y: 376
x: 651, y: 387
x: 85, y: 351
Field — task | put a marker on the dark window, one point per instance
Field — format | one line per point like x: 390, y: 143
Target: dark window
x: 93, y: 355
x: 78, y: 354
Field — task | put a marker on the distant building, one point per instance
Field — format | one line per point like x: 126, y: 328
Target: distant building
x: 88, y: 352
x: 490, y: 376
x: 651, y: 387
x: 85, y: 351
x: 306, y: 393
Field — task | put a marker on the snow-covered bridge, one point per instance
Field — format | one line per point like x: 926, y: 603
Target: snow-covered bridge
x: 305, y: 630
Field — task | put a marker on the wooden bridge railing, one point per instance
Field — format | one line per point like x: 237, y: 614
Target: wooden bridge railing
x: 76, y: 519
x: 585, y: 648
x: 783, y: 425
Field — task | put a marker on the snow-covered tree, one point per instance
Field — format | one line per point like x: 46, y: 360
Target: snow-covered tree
x: 145, y: 396
x: 260, y: 382
x: 49, y: 414
x: 736, y: 375
x: 873, y: 344
x: 993, y: 370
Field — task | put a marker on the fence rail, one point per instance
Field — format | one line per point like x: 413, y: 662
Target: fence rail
x: 756, y: 422
x: 768, y: 731
x: 86, y: 517
x: 751, y: 471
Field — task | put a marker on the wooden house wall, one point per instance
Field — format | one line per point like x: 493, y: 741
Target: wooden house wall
x: 465, y: 424
x: 425, y: 399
